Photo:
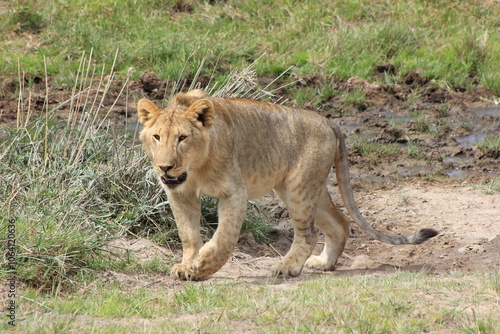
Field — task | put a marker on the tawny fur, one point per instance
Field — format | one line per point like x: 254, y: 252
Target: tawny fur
x: 239, y: 149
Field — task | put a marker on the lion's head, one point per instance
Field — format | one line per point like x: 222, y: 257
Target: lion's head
x: 177, y: 138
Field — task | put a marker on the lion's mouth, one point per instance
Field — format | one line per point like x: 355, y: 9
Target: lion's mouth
x: 170, y: 181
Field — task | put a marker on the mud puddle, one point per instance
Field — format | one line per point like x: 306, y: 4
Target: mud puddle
x: 428, y: 141
x: 487, y: 111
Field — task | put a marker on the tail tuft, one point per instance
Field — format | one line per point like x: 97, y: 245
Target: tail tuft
x: 423, y: 235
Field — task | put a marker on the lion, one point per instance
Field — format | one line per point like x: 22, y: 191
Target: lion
x: 238, y: 149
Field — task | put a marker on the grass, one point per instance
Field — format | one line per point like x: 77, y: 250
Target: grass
x: 372, y: 149
x: 491, y: 186
x: 495, y: 280
x: 402, y: 302
x: 405, y: 199
x: 413, y: 148
x: 302, y: 96
x: 357, y: 96
x: 254, y: 222
x: 490, y: 144
x: 316, y: 95
x: 412, y: 98
x: 423, y: 124
x: 71, y: 185
x: 445, y: 41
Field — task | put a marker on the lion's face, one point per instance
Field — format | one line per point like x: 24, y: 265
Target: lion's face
x: 176, y: 138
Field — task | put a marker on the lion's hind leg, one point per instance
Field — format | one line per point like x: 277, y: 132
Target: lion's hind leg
x: 301, y: 204
x: 335, y: 226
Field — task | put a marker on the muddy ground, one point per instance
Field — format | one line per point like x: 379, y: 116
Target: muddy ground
x: 428, y: 178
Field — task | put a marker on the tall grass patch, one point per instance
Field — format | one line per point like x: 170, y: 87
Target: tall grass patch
x: 72, y: 185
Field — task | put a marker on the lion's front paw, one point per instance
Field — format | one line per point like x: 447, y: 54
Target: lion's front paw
x: 210, y: 259
x: 287, y: 268
x: 183, y: 272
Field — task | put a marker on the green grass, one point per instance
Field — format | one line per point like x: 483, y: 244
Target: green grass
x: 357, y: 96
x: 490, y: 144
x: 447, y: 41
x: 405, y: 199
x: 70, y: 186
x: 423, y: 124
x: 302, y: 96
x: 491, y: 186
x: 401, y: 302
x: 316, y: 95
x: 413, y: 149
x: 372, y: 149
x: 254, y: 221
x: 412, y: 98
x: 495, y: 280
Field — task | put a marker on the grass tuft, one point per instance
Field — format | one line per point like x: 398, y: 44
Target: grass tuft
x: 354, y: 97
x: 71, y: 185
x: 490, y: 145
x: 491, y: 186
x: 27, y: 19
x: 369, y: 148
x: 413, y: 148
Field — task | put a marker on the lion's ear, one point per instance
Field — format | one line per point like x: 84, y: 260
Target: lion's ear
x: 201, y: 111
x: 187, y: 99
x: 147, y: 112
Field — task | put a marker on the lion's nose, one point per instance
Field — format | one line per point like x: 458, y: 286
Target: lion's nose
x: 165, y: 168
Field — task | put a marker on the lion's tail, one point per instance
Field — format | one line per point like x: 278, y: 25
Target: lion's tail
x: 343, y: 179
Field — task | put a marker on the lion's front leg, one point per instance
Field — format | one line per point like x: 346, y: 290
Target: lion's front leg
x: 187, y: 214
x: 215, y: 253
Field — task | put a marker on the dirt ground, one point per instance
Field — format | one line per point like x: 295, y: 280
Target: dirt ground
x: 434, y: 186
x: 467, y: 219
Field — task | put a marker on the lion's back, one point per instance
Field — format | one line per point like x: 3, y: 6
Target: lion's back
x: 268, y: 136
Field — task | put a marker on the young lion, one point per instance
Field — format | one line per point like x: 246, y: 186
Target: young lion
x: 240, y: 149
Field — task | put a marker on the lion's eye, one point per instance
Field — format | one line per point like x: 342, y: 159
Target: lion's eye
x: 157, y: 137
x: 181, y: 138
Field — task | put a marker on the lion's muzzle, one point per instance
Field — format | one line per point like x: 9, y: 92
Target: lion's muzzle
x: 171, y: 182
